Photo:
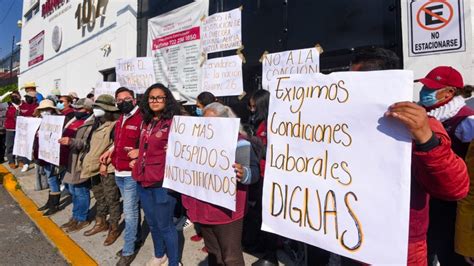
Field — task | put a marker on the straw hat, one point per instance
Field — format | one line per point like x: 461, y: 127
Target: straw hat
x: 29, y: 85
x: 45, y: 104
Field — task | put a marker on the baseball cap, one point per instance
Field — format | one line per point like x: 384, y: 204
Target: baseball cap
x: 441, y: 77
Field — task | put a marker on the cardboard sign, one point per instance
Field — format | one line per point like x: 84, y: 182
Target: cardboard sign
x: 103, y: 87
x: 25, y: 132
x: 304, y: 61
x: 136, y: 73
x: 223, y: 76
x: 50, y: 132
x: 199, y: 159
x: 222, y: 31
x: 338, y: 171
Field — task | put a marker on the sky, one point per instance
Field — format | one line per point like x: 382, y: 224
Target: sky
x: 10, y: 13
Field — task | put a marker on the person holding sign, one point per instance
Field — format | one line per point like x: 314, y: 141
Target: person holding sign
x: 26, y: 109
x: 222, y: 228
x: 436, y: 170
x: 158, y: 108
x: 10, y: 124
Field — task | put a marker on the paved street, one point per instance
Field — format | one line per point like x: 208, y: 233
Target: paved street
x: 21, y: 243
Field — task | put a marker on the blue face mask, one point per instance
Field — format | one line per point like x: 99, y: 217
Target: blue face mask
x: 60, y: 106
x: 428, y: 97
x: 199, y: 112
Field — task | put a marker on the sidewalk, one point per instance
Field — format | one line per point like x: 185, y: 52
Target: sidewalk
x: 192, y: 254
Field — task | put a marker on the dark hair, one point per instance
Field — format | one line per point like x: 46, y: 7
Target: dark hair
x: 90, y: 95
x: 15, y: 92
x: 206, y: 98
x: 465, y: 92
x: 262, y: 99
x: 376, y: 59
x: 68, y: 98
x: 172, y: 107
x: 122, y: 89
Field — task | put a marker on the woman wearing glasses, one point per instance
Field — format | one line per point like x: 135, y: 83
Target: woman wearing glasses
x: 158, y: 108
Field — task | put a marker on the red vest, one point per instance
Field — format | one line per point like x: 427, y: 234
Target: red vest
x: 27, y: 109
x: 128, y: 136
x: 10, y: 119
x: 70, y: 131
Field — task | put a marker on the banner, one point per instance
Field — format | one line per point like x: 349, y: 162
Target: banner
x: 200, y: 156
x: 304, y: 61
x: 337, y: 171
x: 25, y: 132
x: 174, y: 39
x: 103, y: 87
x: 36, y: 49
x: 223, y: 76
x: 136, y: 73
x: 222, y: 31
x: 51, y: 130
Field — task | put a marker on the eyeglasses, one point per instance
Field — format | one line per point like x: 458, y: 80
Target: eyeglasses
x: 157, y: 99
x: 128, y: 99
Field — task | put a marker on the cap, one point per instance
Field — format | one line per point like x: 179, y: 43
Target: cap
x: 83, y: 103
x: 441, y: 77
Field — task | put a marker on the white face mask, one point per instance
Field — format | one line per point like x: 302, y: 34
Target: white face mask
x: 98, y: 112
x: 45, y: 113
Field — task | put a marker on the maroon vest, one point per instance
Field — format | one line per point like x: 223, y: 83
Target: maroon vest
x: 451, y: 124
x: 126, y: 137
x: 70, y: 131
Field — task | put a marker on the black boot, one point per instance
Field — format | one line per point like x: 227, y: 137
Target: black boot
x: 46, y: 206
x: 54, y: 206
x: 269, y: 259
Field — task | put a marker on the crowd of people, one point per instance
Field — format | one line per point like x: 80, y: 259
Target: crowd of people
x: 115, y: 146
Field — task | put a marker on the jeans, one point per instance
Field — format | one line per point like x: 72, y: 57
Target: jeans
x: 10, y: 138
x: 2, y: 146
x: 54, y: 178
x: 128, y: 189
x: 158, y: 206
x: 80, y: 200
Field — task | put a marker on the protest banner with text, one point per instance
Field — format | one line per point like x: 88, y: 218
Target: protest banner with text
x: 337, y: 171
x: 222, y: 31
x: 103, y: 87
x: 25, y: 132
x: 223, y: 76
x: 199, y: 159
x: 49, y: 133
x: 136, y: 73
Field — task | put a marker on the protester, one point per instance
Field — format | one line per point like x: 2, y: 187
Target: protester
x: 158, y: 108
x: 222, y: 228
x: 126, y: 138
x: 64, y: 105
x: 73, y: 96
x: 10, y: 126
x: 27, y: 109
x: 102, y: 176
x: 203, y: 99
x: 79, y: 188
x: 31, y: 87
x: 45, y: 108
x: 3, y: 114
x: 443, y: 96
x: 436, y: 170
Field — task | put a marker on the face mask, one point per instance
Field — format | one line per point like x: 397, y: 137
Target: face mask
x: 60, y: 106
x: 45, y: 113
x: 81, y: 115
x: 199, y: 112
x: 29, y: 99
x: 428, y: 97
x: 125, y: 107
x: 16, y: 100
x: 98, y: 112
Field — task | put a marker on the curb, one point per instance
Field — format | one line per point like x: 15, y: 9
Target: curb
x: 72, y: 252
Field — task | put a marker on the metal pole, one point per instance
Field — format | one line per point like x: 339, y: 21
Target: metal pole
x: 11, y: 57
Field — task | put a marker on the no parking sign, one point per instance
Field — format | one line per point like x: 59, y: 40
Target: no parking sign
x: 436, y: 26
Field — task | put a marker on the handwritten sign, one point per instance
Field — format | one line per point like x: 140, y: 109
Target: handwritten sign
x: 304, y: 61
x: 136, y: 74
x: 337, y: 171
x: 223, y: 76
x: 103, y: 87
x: 49, y: 133
x: 199, y: 159
x: 25, y: 132
x: 222, y: 31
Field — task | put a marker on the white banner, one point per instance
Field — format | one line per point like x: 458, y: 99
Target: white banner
x: 222, y: 31
x: 136, y: 74
x: 337, y: 171
x: 304, y: 61
x: 50, y: 132
x: 36, y: 49
x: 25, y: 132
x: 223, y: 76
x: 174, y: 39
x: 103, y: 87
x: 199, y: 159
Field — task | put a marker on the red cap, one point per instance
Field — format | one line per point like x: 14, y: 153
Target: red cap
x: 441, y: 77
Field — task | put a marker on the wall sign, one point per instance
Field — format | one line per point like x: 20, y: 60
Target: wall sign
x: 88, y: 11
x: 57, y: 38
x: 50, y: 6
x: 436, y: 26
x: 36, y: 49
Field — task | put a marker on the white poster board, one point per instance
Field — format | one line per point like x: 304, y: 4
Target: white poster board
x: 25, y: 132
x: 199, y: 159
x: 104, y: 87
x: 222, y: 31
x: 136, y: 73
x: 36, y: 54
x: 174, y: 39
x: 337, y: 171
x: 303, y: 61
x: 223, y: 76
x: 50, y: 131
x: 436, y: 27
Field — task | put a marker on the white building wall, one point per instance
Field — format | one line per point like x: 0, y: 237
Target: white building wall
x: 76, y: 65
